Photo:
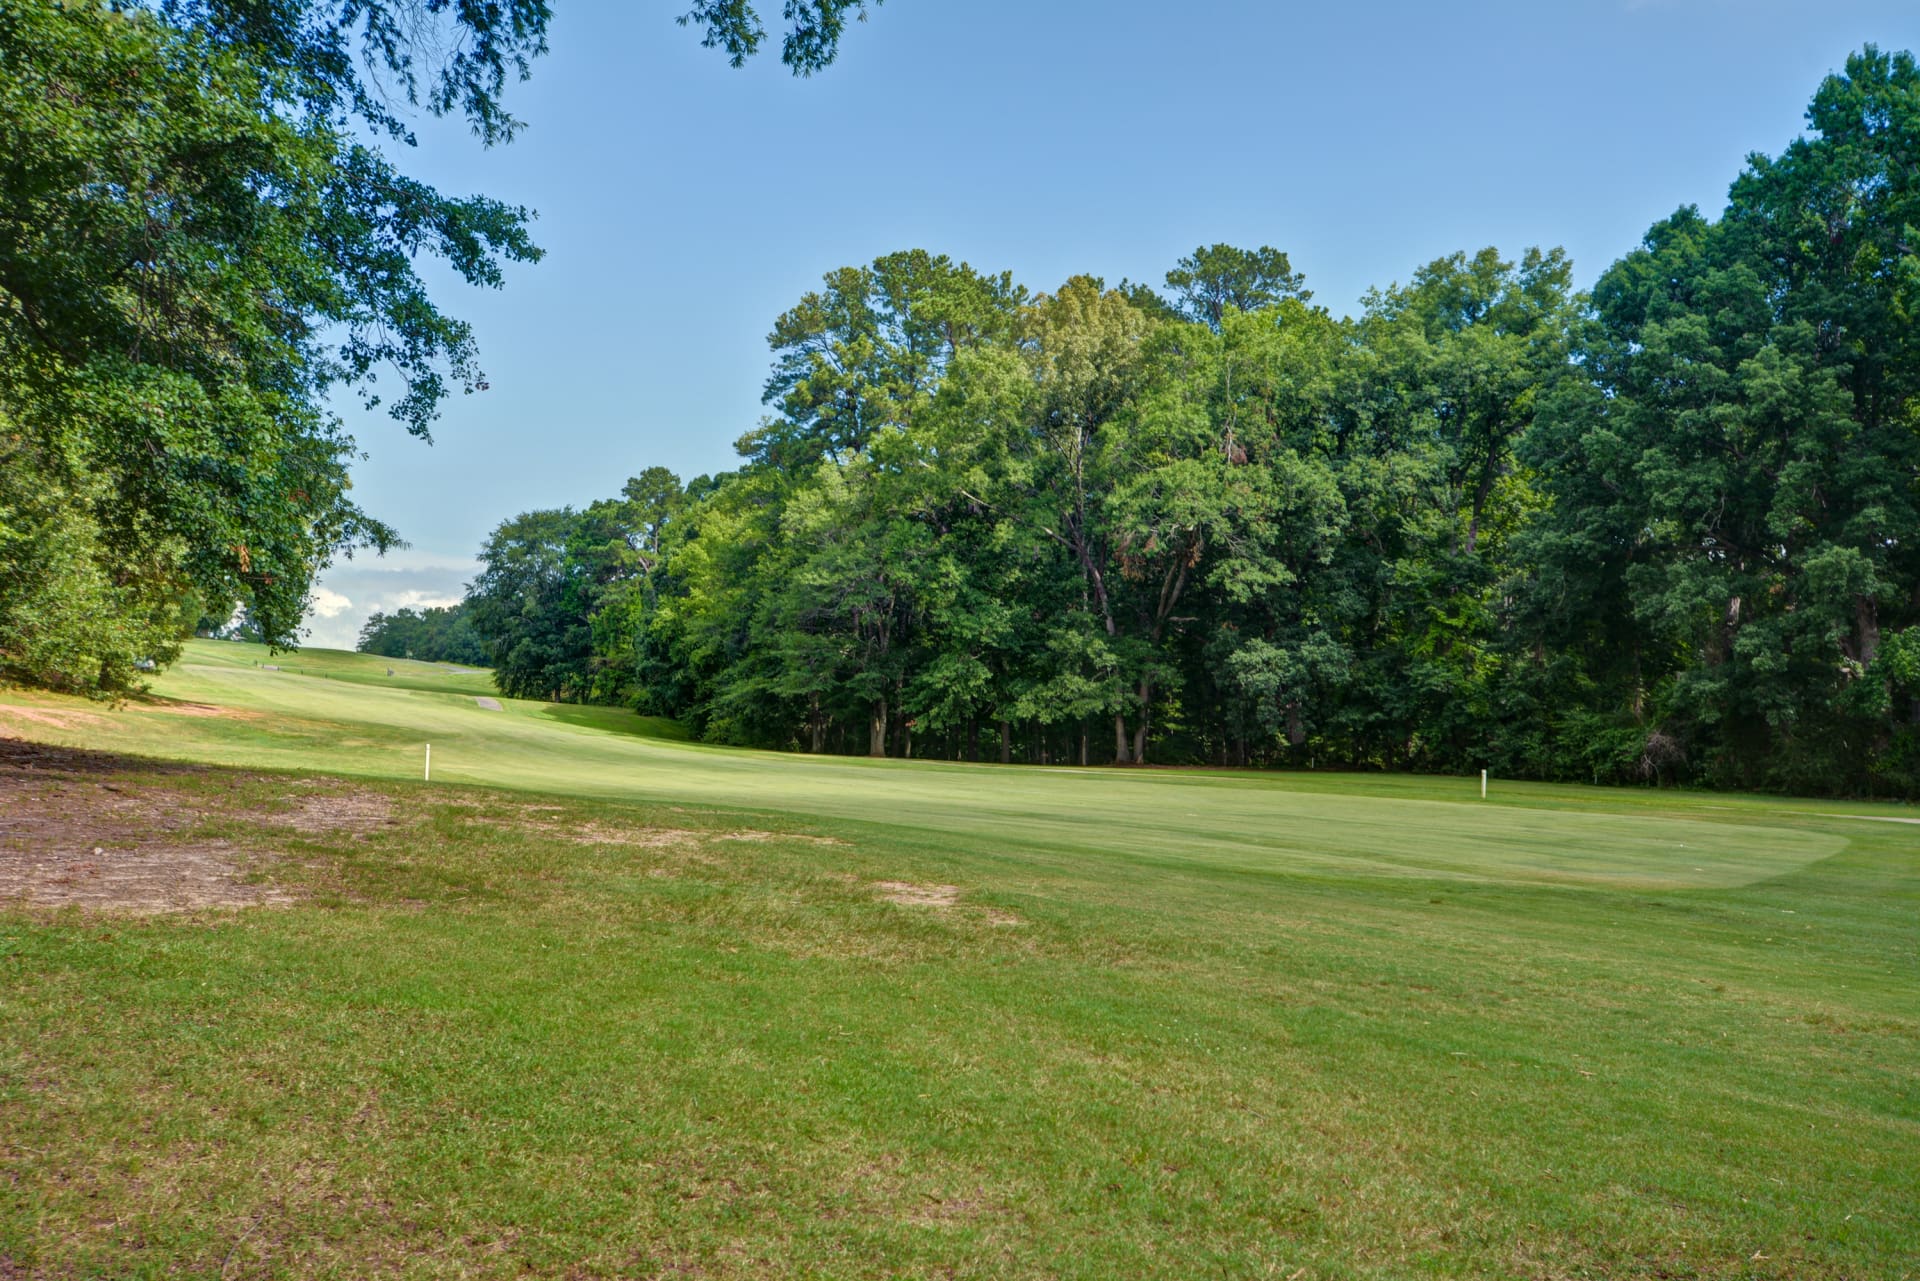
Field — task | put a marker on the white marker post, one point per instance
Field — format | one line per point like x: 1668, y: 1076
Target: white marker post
x: 426, y: 775
x: 1483, y: 784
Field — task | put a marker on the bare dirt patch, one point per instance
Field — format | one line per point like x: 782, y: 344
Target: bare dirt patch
x: 145, y: 880
x: 339, y: 811
x: 80, y: 829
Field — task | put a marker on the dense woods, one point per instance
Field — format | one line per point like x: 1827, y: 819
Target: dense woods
x: 1663, y: 531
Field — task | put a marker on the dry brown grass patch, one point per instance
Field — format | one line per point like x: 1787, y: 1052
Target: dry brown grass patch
x: 908, y: 894
x: 52, y: 717
x: 751, y: 835
x: 180, y: 707
x: 938, y: 898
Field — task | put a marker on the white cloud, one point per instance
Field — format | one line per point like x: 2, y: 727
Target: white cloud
x: 329, y: 604
x: 402, y: 580
x: 420, y: 600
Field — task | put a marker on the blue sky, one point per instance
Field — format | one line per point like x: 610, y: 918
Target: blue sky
x: 683, y: 204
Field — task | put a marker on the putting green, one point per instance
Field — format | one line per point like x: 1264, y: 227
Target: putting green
x: 322, y: 710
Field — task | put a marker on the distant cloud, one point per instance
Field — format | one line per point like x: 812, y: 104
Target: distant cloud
x: 351, y: 590
x: 330, y: 604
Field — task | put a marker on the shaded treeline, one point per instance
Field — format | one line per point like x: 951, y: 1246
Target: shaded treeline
x: 1665, y: 531
x: 433, y: 634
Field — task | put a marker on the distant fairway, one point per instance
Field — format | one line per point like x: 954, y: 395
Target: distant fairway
x: 598, y: 1002
x: 340, y: 712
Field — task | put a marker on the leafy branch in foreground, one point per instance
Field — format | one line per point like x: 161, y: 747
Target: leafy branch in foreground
x: 201, y: 240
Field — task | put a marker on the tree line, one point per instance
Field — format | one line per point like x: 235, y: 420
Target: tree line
x: 1665, y: 530
x: 435, y: 634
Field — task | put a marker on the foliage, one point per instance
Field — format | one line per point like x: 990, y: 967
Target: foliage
x: 195, y: 249
x: 202, y: 241
x: 436, y: 634
x: 812, y: 39
x: 1735, y: 486
x: 1665, y: 533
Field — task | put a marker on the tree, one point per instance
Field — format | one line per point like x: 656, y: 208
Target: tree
x: 202, y: 240
x: 1215, y: 277
x: 812, y: 39
x: 190, y: 258
x: 544, y: 578
x: 1744, y: 458
x: 866, y: 353
x: 1668, y: 531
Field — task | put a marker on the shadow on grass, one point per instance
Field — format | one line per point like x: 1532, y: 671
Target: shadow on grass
x: 617, y: 720
x: 18, y: 756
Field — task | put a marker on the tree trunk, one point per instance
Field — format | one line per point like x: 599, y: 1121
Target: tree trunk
x: 1728, y: 628
x: 1121, y: 753
x: 973, y: 739
x: 1639, y: 701
x: 1866, y: 618
x: 1140, y: 731
x: 1083, y: 746
x: 877, y: 730
x: 1296, y: 732
x: 1006, y: 744
x: 1479, y: 506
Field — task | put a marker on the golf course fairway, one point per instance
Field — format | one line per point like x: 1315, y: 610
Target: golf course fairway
x: 596, y: 1001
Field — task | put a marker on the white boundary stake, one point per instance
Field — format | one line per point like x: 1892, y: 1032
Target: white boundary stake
x: 1483, y: 783
x: 426, y: 775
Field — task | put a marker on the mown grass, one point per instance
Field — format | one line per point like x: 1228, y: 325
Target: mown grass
x: 653, y: 1013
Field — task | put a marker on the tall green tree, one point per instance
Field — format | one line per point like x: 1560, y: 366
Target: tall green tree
x: 1744, y: 461
x: 1214, y: 278
x: 202, y: 239
x: 194, y: 251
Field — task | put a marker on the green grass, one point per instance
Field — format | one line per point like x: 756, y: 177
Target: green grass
x: 1180, y: 1024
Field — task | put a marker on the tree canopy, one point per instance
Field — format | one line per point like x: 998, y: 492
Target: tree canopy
x: 203, y: 237
x: 1663, y: 531
x: 436, y: 634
